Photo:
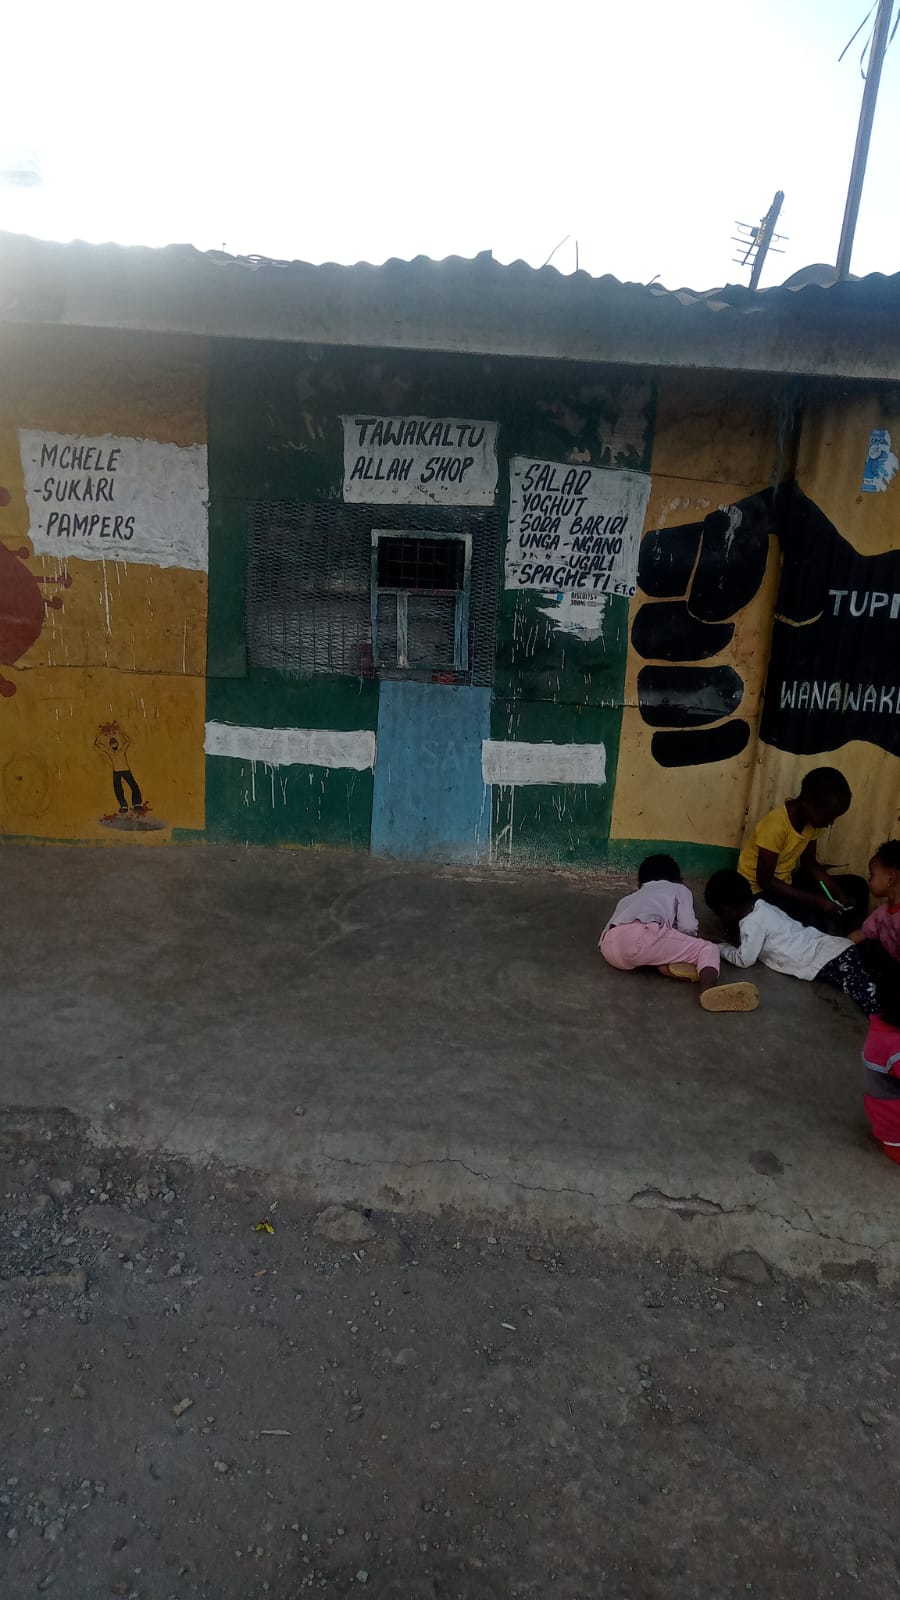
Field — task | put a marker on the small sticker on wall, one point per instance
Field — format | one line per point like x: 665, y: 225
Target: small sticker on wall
x: 881, y: 463
x: 579, y: 613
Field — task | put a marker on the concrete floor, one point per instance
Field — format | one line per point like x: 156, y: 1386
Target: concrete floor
x: 412, y: 1038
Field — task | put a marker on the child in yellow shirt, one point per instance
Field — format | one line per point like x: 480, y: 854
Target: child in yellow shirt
x: 780, y: 864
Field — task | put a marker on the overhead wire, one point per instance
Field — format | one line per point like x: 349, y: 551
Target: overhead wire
x: 855, y: 35
x: 868, y: 44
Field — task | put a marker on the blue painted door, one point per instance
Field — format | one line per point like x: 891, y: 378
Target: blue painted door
x: 430, y: 800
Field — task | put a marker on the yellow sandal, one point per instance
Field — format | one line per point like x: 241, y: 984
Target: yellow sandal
x: 730, y: 997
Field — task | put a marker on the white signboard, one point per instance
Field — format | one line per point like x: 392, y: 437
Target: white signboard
x: 116, y: 499
x: 406, y: 460
x: 574, y: 530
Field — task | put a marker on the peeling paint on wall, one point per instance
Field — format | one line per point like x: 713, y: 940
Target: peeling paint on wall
x: 291, y: 747
x: 515, y: 762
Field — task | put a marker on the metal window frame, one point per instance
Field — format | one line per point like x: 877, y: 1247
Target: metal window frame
x: 461, y: 606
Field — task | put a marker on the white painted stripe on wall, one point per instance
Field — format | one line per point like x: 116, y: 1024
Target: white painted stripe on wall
x: 291, y: 747
x: 512, y: 761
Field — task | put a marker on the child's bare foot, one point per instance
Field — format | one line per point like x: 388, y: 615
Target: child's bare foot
x: 730, y: 997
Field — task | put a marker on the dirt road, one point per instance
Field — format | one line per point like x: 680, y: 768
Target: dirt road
x: 190, y: 1406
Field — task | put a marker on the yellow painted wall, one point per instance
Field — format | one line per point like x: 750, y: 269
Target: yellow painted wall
x: 128, y: 643
x: 831, y: 458
x: 717, y: 440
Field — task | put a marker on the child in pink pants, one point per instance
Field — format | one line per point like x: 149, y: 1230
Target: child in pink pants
x: 657, y: 927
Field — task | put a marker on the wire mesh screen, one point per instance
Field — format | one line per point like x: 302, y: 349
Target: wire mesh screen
x: 309, y: 581
x: 484, y: 594
x: 308, y: 588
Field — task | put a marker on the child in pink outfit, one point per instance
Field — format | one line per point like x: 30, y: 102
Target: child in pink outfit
x: 657, y: 927
x: 881, y: 1080
x: 881, y: 1060
x: 883, y: 923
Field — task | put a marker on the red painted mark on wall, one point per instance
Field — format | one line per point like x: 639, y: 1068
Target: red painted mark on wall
x: 23, y: 607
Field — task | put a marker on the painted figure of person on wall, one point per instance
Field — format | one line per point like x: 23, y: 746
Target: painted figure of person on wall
x: 113, y: 743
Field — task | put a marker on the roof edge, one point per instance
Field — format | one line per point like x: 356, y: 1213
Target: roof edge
x: 473, y: 307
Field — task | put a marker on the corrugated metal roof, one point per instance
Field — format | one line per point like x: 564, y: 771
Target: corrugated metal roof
x: 475, y: 306
x: 727, y: 297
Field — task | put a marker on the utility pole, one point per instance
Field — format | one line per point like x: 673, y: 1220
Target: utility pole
x: 863, y: 136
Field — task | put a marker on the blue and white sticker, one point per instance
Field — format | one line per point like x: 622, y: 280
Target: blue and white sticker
x: 881, y: 463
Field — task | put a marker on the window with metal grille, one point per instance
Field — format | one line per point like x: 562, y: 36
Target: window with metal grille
x: 420, y: 601
x: 316, y: 598
x: 432, y: 564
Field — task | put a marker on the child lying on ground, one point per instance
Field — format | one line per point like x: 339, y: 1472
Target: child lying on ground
x: 758, y: 931
x: 657, y: 927
x: 779, y: 859
x: 884, y: 884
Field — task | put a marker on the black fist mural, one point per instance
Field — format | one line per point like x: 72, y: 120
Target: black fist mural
x: 714, y: 568
x: 834, y: 668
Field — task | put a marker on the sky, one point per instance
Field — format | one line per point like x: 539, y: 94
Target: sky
x: 346, y: 130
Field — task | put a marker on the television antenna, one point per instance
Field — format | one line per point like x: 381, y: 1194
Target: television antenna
x: 756, y: 242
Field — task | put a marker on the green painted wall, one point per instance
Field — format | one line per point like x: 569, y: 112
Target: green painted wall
x: 302, y: 805
x: 275, y: 433
x: 259, y: 448
x: 549, y: 684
